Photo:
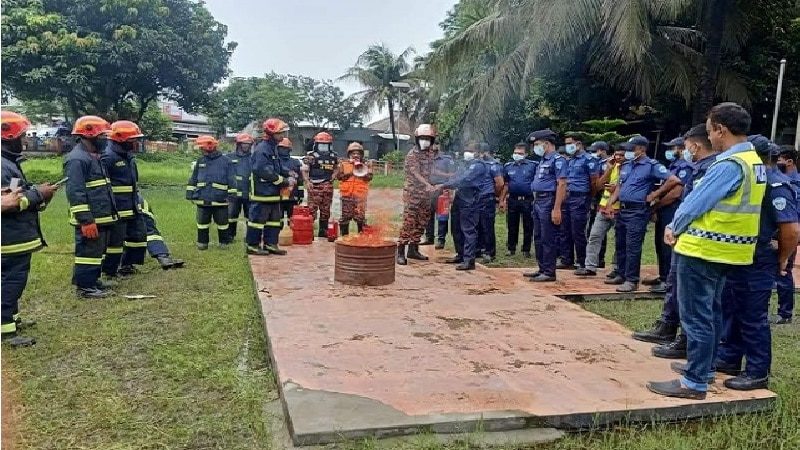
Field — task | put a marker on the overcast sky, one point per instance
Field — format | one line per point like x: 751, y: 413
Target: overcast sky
x: 322, y: 38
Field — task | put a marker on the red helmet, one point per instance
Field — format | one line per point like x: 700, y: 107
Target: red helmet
x: 426, y: 130
x: 13, y: 125
x: 206, y: 142
x: 323, y: 138
x: 124, y: 130
x: 285, y: 142
x: 275, y: 126
x: 244, y: 138
x: 91, y: 126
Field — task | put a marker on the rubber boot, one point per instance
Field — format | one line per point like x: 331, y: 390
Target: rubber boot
x: 274, y: 249
x: 413, y: 253
x: 17, y: 341
x: 128, y: 270
x: 401, y: 254
x: 344, y: 229
x: 323, y: 229
x: 360, y: 226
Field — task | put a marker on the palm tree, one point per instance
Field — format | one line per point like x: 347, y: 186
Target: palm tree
x: 375, y: 70
x: 492, y: 49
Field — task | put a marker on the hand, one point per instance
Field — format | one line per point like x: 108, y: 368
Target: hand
x: 783, y: 267
x: 555, y: 216
x: 47, y: 191
x: 669, y: 237
x: 11, y: 199
x: 291, y: 181
x: 651, y: 197
x: 90, y: 231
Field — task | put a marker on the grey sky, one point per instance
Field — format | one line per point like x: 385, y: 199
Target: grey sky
x: 322, y: 38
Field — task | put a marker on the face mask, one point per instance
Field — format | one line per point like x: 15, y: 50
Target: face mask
x: 782, y: 167
x: 424, y: 144
x: 518, y: 157
x: 323, y: 147
x: 539, y: 150
x: 571, y: 149
x: 629, y: 155
x: 283, y: 151
x: 670, y: 155
x: 687, y: 155
x: 469, y: 156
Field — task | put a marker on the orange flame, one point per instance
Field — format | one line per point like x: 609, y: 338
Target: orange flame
x: 375, y: 235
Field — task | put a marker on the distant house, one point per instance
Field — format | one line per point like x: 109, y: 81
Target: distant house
x: 185, y: 125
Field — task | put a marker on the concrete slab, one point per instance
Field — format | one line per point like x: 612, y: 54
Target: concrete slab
x: 452, y: 352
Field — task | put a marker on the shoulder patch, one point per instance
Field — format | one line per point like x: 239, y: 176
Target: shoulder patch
x: 559, y: 163
x: 120, y: 163
x: 778, y: 184
x: 682, y: 173
x: 662, y: 169
x: 591, y: 165
x: 779, y: 203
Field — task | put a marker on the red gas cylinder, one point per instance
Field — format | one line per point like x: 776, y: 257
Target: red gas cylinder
x: 443, y: 205
x: 333, y: 230
x: 302, y: 226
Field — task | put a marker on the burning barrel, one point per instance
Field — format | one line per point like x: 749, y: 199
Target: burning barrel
x: 365, y: 262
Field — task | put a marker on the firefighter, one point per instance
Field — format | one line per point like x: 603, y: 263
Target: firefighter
x: 91, y: 205
x: 21, y: 233
x: 416, y: 194
x: 128, y: 239
x: 322, y: 164
x: 240, y: 202
x: 266, y: 181
x: 156, y: 246
x: 211, y: 184
x: 290, y: 197
x: 354, y: 177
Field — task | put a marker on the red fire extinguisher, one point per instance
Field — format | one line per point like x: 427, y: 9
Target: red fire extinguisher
x: 443, y: 205
x: 333, y: 230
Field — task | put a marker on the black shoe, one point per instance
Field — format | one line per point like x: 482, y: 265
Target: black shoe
x: 323, y: 229
x: 628, y: 286
x: 360, y: 227
x: 128, y: 270
x: 542, y: 278
x: 660, y: 333
x: 511, y: 253
x: 401, y: 254
x: 274, y: 250
x: 675, y: 389
x: 601, y: 265
x: 344, y: 230
x: 562, y: 266
x: 612, y: 274
x: 674, y: 350
x: 17, y: 341
x: 92, y: 292
x: 532, y: 274
x: 257, y: 251
x: 487, y: 259
x: 778, y: 320
x: 526, y: 255
x: 439, y: 245
x: 413, y: 253
x: 584, y: 272
x: 466, y: 266
x: 428, y: 241
x: 454, y: 260
x: 23, y: 324
x: 616, y: 280
x: 746, y: 383
x: 659, y: 288
x: 651, y: 281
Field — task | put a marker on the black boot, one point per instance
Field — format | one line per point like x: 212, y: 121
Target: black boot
x: 273, y: 249
x: 360, y: 226
x: 344, y: 229
x: 413, y: 253
x: 16, y: 341
x: 427, y: 241
x: 674, y: 350
x: 466, y: 265
x: 660, y: 333
x: 128, y: 270
x: 166, y: 262
x: 323, y: 229
x: 401, y: 254
x: 454, y: 260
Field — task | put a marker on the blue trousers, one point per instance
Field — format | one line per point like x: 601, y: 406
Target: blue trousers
x: 519, y: 207
x: 573, y: 220
x: 669, y: 313
x: 630, y: 230
x: 745, y: 327
x: 15, y: 270
x: 545, y: 231
x: 663, y: 251
x: 785, y: 288
x: 236, y: 205
x: 468, y: 217
x: 455, y: 227
x: 487, y: 241
x: 89, y: 255
x: 155, y: 242
x: 264, y: 224
x: 700, y: 285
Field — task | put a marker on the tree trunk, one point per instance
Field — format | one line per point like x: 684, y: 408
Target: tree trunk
x: 713, y: 26
x: 391, y: 121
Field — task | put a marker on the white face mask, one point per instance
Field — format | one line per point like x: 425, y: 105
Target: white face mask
x: 424, y: 144
x: 518, y: 157
x: 323, y: 147
x: 538, y: 149
x: 469, y: 156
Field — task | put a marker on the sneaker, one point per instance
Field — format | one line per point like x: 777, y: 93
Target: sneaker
x: 616, y: 280
x: 628, y: 286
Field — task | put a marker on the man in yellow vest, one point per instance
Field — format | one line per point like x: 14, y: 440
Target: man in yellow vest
x: 716, y: 227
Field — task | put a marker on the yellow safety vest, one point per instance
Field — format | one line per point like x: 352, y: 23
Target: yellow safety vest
x: 612, y: 179
x: 728, y: 232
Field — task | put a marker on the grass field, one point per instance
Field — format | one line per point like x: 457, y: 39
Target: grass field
x: 188, y: 369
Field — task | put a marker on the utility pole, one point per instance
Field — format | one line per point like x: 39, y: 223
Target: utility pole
x: 778, y: 100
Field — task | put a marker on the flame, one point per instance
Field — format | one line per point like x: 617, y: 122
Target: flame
x: 377, y: 234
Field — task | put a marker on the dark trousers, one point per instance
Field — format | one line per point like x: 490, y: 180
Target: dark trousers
x: 663, y: 251
x: 236, y: 206
x: 574, y: 224
x: 487, y: 240
x: 220, y: 216
x: 15, y: 270
x: 604, y: 244
x: 785, y: 288
x: 430, y: 230
x: 455, y: 227
x: 264, y: 224
x: 287, y: 208
x: 745, y: 328
x: 563, y: 253
x: 545, y: 232
x: 89, y: 257
x: 630, y: 230
x: 519, y: 207
x: 155, y: 242
x: 469, y: 215
x: 669, y: 312
x: 126, y: 245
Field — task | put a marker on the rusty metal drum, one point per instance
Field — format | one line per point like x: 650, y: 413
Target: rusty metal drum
x: 365, y: 265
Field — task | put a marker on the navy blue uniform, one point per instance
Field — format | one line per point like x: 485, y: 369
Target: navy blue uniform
x: 575, y: 209
x: 443, y: 164
x: 212, y: 182
x: 785, y: 283
x: 745, y: 298
x: 487, y: 240
x: 636, y: 180
x: 128, y: 239
x: 239, y: 203
x: 552, y: 168
x: 683, y: 170
x: 518, y: 176
x: 267, y: 179
x: 466, y: 208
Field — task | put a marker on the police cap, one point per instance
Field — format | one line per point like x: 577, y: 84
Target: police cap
x: 543, y: 135
x: 761, y: 143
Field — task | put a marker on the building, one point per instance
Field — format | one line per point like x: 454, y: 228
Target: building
x: 185, y: 125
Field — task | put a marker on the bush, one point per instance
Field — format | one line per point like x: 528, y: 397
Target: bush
x: 395, y: 157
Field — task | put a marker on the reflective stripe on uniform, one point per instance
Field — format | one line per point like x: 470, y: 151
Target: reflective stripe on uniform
x: 278, y: 181
x: 79, y: 208
x: 201, y: 184
x: 154, y: 237
x: 8, y: 327
x: 125, y: 213
x: 24, y: 203
x: 113, y: 250
x: 201, y: 226
x: 121, y: 189
x: 97, y: 183
x: 266, y: 199
x: 22, y: 247
x: 222, y: 227
x: 277, y: 224
x: 224, y: 187
x: 88, y: 261
x: 134, y: 244
x: 105, y: 219
x: 258, y: 226
x: 232, y: 191
x: 191, y: 188
x: 203, y: 203
x: 239, y: 178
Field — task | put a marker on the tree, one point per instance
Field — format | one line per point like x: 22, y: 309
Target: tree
x: 324, y: 104
x: 375, y: 69
x: 155, y: 124
x: 103, y: 56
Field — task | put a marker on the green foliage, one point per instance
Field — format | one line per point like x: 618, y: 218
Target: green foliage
x: 155, y: 124
x: 39, y: 111
x: 602, y: 130
x: 395, y: 157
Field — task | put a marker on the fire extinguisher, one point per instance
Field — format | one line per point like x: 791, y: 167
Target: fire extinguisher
x: 333, y: 230
x: 443, y: 205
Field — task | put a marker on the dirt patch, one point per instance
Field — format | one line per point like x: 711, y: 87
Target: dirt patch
x: 592, y: 356
x: 455, y: 323
x: 478, y: 367
x: 430, y: 337
x: 482, y: 291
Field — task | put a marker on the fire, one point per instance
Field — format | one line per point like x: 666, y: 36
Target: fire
x: 375, y: 235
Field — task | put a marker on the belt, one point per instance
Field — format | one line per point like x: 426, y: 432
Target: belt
x: 576, y: 194
x: 543, y: 194
x: 634, y: 205
x: 321, y: 181
x: 521, y: 197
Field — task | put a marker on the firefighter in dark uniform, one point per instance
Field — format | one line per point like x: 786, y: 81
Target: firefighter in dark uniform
x: 91, y: 205
x: 21, y: 233
x: 322, y: 165
x: 267, y: 179
x: 294, y: 196
x: 240, y: 202
x: 128, y: 238
x: 211, y: 184
x: 156, y: 246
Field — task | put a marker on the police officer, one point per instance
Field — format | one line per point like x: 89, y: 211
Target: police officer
x: 267, y: 178
x: 21, y: 233
x: 787, y: 164
x: 745, y: 298
x: 468, y: 184
x: 517, y: 199
x: 491, y: 189
x: 290, y: 197
x: 637, y: 177
x: 91, y: 205
x: 444, y: 167
x: 417, y: 192
x: 665, y: 210
x: 212, y: 182
x: 128, y: 239
x: 156, y: 246
x: 581, y: 179
x: 322, y: 165
x: 549, y: 190
x: 239, y: 203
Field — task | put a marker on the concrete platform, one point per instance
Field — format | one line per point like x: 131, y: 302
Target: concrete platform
x: 453, y: 352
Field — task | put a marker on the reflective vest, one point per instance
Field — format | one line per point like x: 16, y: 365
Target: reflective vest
x: 728, y: 232
x: 353, y: 186
x: 613, y: 179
